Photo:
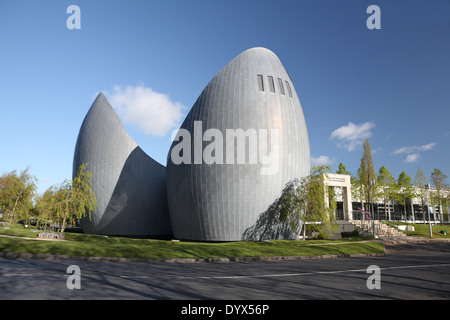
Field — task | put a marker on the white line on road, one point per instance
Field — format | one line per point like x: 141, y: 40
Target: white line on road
x: 258, y: 276
x: 312, y: 273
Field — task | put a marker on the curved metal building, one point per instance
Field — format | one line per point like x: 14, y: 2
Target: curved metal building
x: 222, y: 195
x: 129, y: 185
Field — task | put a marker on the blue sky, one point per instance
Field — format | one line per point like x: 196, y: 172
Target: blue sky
x: 391, y: 85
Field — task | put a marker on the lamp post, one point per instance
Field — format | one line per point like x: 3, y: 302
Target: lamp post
x: 372, y: 184
x: 427, y: 186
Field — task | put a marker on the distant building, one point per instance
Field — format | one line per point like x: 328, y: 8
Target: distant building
x: 353, y: 208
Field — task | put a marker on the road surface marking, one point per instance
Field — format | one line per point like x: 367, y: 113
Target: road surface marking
x: 312, y: 273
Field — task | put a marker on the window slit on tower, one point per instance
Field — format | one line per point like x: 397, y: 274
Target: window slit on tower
x: 289, y: 89
x: 280, y: 83
x: 260, y: 82
x: 271, y: 84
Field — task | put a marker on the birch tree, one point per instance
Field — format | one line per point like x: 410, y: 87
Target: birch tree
x: 366, y: 172
x: 387, y: 188
x: 405, y: 191
x: 16, y: 194
x: 72, y: 199
x: 438, y: 180
x: 420, y: 182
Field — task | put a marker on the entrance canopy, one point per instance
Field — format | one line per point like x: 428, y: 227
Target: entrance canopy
x: 343, y: 181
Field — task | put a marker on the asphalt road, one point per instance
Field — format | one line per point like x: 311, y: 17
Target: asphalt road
x: 408, y: 271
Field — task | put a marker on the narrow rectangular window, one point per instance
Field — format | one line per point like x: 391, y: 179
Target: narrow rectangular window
x: 289, y: 89
x: 260, y: 82
x: 280, y: 82
x: 271, y: 84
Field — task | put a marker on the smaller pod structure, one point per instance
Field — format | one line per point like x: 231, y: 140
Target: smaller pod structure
x: 243, y: 140
x: 129, y: 185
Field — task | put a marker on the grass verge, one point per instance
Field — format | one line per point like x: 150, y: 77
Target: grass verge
x: 423, y: 230
x: 100, y: 246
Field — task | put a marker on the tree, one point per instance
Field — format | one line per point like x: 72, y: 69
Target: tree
x: 438, y: 180
x: 386, y: 185
x: 366, y: 172
x: 342, y: 170
x: 81, y: 199
x: 420, y: 182
x: 405, y: 191
x: 305, y: 200
x: 357, y: 191
x: 16, y: 194
x: 71, y: 200
x: 46, y: 206
x: 447, y: 202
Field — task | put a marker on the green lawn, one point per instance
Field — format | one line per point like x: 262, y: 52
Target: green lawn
x: 423, y: 230
x: 93, y: 245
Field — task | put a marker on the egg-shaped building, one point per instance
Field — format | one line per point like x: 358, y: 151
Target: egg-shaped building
x: 243, y: 140
x: 129, y: 185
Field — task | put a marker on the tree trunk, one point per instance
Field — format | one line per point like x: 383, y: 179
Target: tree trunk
x: 304, y: 230
x: 14, y: 210
x: 64, y: 218
x: 405, y: 212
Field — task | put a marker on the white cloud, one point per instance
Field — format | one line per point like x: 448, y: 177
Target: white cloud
x: 322, y: 161
x: 352, y: 135
x: 412, y: 152
x: 412, y: 149
x: 152, y: 112
x: 413, y: 157
x: 377, y: 150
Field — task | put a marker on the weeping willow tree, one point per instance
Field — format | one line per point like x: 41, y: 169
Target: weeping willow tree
x: 79, y: 198
x: 71, y: 200
x: 308, y: 204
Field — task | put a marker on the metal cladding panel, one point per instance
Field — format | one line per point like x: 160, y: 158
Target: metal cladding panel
x: 129, y: 185
x: 224, y: 202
